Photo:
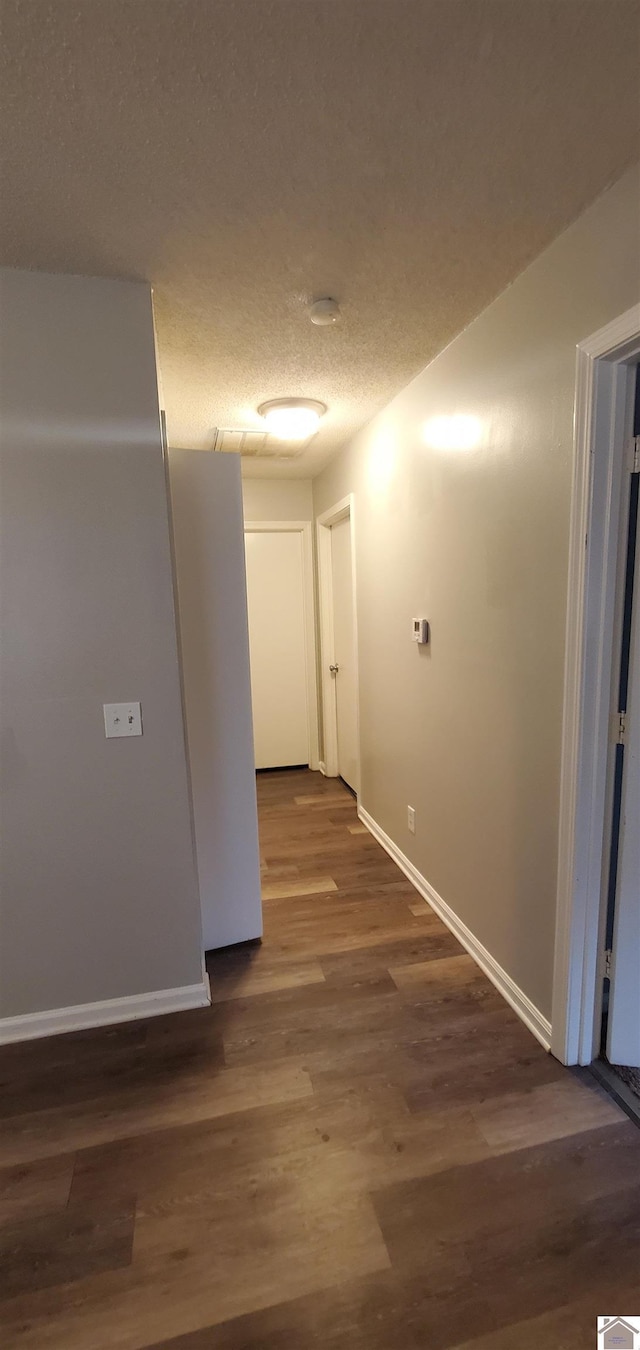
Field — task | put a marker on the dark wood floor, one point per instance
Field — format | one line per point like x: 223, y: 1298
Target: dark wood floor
x: 357, y: 1147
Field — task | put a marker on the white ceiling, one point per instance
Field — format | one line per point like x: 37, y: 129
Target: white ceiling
x: 409, y: 157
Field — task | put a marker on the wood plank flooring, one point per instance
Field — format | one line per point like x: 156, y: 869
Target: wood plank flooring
x: 357, y: 1147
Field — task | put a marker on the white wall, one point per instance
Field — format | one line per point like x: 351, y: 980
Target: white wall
x: 99, y: 889
x: 206, y: 504
x: 468, y: 730
x: 277, y: 499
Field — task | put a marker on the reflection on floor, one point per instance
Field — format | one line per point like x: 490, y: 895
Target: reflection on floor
x: 357, y: 1147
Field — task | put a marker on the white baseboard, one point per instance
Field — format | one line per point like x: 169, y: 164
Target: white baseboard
x: 322, y: 767
x: 521, y: 1004
x: 105, y: 1013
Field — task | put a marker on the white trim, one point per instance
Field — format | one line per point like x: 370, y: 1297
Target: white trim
x: 105, y: 1013
x: 538, y: 1025
x: 342, y: 510
x: 325, y: 625
x: 600, y: 401
x: 302, y: 527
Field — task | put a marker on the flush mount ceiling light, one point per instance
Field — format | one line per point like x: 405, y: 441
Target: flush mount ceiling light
x: 292, y: 419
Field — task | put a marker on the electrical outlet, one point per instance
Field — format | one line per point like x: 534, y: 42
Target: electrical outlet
x: 411, y: 819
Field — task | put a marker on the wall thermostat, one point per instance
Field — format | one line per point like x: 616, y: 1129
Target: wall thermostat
x: 420, y: 631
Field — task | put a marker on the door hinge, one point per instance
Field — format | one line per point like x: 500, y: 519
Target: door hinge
x: 608, y: 957
x: 634, y: 455
x: 618, y: 728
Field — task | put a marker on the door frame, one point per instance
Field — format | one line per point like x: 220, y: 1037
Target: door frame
x: 342, y: 510
x: 603, y: 379
x: 303, y: 528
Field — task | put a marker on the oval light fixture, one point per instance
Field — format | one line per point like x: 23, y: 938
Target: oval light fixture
x: 292, y: 419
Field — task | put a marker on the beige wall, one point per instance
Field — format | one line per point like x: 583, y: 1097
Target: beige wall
x: 277, y: 498
x: 99, y: 890
x: 468, y: 730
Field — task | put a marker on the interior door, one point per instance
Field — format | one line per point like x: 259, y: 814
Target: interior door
x: 275, y: 601
x: 344, y: 647
x: 623, y: 1023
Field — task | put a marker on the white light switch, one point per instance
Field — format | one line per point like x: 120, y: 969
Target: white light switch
x: 122, y: 719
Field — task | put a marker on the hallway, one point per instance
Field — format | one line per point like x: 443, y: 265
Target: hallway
x: 358, y: 1146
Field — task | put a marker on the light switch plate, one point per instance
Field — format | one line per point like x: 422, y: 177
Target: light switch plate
x: 122, y: 719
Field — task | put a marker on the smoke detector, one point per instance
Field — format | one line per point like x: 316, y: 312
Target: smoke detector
x: 325, y: 312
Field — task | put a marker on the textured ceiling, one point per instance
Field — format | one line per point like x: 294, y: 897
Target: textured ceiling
x: 409, y: 157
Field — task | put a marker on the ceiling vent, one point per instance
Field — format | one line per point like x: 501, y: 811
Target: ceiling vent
x: 256, y: 444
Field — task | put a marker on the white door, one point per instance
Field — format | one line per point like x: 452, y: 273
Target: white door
x: 623, y: 1027
x: 275, y: 599
x: 344, y: 649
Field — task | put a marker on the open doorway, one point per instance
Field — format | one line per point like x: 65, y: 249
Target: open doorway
x: 338, y: 643
x: 596, y: 1014
x: 619, y: 1061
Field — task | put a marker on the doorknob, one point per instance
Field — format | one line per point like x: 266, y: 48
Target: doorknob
x: 334, y: 669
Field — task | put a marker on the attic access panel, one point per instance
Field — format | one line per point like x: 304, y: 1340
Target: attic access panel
x: 252, y: 444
